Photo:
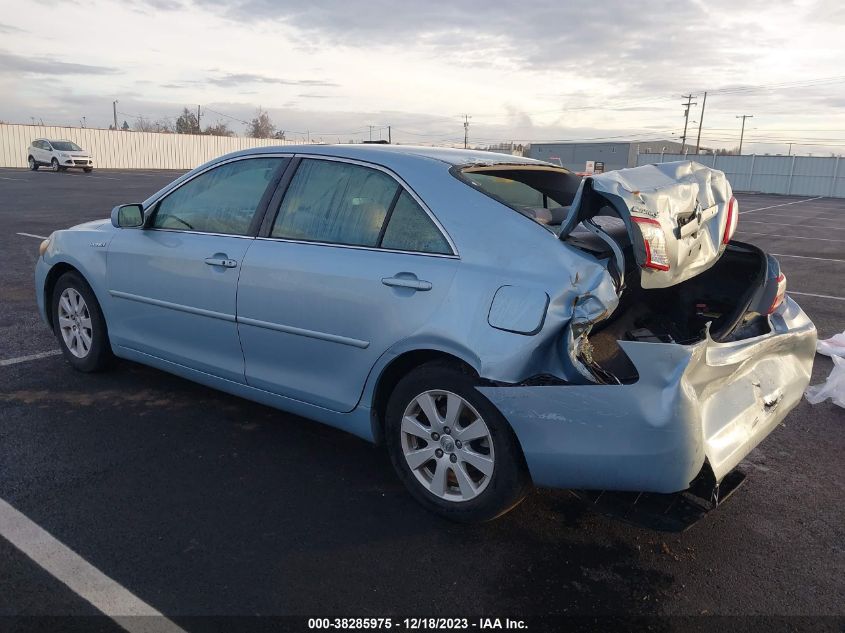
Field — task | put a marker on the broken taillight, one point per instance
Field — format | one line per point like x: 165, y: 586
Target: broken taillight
x: 781, y: 293
x: 656, y: 255
x: 731, y: 221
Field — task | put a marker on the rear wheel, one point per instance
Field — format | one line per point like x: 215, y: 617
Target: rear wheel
x: 54, y: 165
x: 79, y: 324
x: 452, y: 448
x: 32, y: 164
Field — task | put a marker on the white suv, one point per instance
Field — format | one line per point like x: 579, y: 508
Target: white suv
x: 58, y: 155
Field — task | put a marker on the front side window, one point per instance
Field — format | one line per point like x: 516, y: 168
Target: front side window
x: 410, y: 229
x: 335, y: 202
x: 221, y: 200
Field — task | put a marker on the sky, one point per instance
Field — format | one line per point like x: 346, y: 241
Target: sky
x: 341, y: 70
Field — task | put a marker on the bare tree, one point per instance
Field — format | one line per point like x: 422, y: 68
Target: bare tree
x: 145, y: 125
x: 187, y: 123
x: 261, y: 126
x: 219, y: 129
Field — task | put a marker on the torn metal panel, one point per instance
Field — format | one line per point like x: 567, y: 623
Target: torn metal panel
x: 713, y: 401
x: 685, y: 202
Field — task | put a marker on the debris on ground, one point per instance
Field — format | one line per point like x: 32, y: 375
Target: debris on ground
x: 833, y: 346
x: 833, y: 387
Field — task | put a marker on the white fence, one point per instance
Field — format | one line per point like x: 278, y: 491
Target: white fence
x: 789, y: 175
x: 126, y: 150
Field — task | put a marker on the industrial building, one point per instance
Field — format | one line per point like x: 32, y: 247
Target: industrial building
x: 609, y: 155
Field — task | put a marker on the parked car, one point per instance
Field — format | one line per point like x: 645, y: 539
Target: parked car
x: 494, y: 321
x: 58, y: 155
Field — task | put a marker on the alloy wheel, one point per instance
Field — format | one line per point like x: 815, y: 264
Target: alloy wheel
x: 54, y: 165
x: 447, y: 445
x: 75, y: 323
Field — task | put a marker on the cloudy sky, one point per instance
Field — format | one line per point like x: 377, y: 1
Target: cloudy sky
x: 529, y: 70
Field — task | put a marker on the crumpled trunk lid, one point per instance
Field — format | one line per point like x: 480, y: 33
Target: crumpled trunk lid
x: 676, y: 214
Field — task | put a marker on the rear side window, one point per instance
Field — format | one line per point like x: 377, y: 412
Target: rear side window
x: 410, y: 229
x: 335, y: 202
x: 222, y: 200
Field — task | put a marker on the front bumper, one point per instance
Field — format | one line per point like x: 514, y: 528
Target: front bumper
x: 708, y: 401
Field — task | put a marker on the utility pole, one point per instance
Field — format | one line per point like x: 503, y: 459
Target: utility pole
x: 789, y: 151
x: 389, y: 137
x: 371, y: 131
x: 199, y: 129
x: 688, y: 104
x: 466, y: 129
x: 114, y: 110
x: 700, y: 123
x: 742, y: 133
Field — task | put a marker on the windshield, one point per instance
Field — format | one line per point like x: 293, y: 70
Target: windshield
x: 65, y: 146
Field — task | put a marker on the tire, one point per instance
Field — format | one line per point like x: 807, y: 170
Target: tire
x: 54, y: 165
x: 80, y: 327
x: 87, y: 170
x: 464, y: 493
x: 33, y: 166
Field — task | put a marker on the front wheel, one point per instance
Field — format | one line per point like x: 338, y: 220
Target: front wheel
x: 54, y: 165
x: 451, y: 447
x: 33, y: 166
x: 79, y: 324
x: 87, y: 170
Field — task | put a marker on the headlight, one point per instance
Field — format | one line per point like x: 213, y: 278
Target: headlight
x: 42, y: 248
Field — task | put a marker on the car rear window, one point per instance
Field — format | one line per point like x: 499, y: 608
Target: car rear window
x: 539, y: 192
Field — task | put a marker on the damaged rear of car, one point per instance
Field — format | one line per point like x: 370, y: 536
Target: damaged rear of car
x: 695, y: 360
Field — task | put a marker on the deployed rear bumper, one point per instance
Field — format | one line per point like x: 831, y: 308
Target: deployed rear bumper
x: 713, y: 401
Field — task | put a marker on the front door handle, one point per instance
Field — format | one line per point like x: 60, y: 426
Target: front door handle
x: 220, y: 261
x: 405, y: 282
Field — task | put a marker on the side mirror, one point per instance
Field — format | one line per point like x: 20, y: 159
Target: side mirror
x: 127, y: 216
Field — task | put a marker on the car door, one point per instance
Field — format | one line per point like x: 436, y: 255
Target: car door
x: 41, y: 154
x: 351, y: 264
x: 48, y: 153
x: 173, y: 283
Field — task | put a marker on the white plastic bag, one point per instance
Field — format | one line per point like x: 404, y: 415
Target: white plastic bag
x: 833, y: 346
x: 833, y: 387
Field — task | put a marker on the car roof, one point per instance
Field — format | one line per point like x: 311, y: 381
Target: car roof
x: 53, y: 140
x: 379, y: 153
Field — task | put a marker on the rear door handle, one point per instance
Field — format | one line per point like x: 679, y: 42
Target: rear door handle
x: 220, y: 261
x: 405, y: 282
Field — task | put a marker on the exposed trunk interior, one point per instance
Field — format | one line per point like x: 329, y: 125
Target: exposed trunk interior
x: 719, y: 296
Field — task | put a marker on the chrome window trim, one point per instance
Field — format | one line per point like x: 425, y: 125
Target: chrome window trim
x: 403, y: 184
x: 189, y: 232
x: 356, y: 247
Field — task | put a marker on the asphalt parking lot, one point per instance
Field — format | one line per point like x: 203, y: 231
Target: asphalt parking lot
x: 198, y: 503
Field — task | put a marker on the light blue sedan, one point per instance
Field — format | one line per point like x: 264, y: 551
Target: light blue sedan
x: 494, y: 321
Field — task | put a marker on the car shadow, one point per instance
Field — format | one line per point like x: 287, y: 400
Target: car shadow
x: 202, y: 503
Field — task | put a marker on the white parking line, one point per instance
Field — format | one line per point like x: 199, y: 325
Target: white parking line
x: 809, y: 226
x: 85, y: 580
x: 40, y: 237
x: 791, y: 237
x: 785, y: 204
x: 24, y: 359
x: 801, y: 217
x: 810, y: 294
x: 821, y: 259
